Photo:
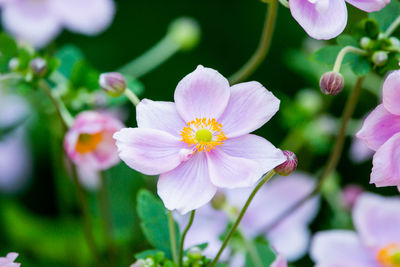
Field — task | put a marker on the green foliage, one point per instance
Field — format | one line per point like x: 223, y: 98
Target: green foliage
x: 69, y: 55
x: 155, y: 221
x: 387, y: 15
x: 361, y: 65
x: 265, y: 254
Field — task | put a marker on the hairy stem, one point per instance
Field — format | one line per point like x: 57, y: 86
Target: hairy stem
x: 334, y: 156
x: 190, y: 222
x: 172, y: 237
x: 342, y: 54
x: 241, y: 214
x: 263, y: 46
x: 132, y: 97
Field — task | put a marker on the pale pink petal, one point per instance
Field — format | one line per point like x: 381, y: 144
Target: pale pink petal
x: 378, y: 127
x: 147, y: 150
x: 377, y: 220
x: 89, y: 177
x: 291, y: 241
x: 256, y: 148
x: 386, y: 163
x: 159, y: 115
x: 84, y: 16
x: 280, y: 261
x: 204, y: 93
x: 321, y: 19
x: 8, y: 261
x: 369, y: 5
x: 232, y: 172
x: 250, y: 106
x: 188, y: 186
x: 391, y: 93
x: 339, y: 248
x: 359, y: 151
x: 31, y: 21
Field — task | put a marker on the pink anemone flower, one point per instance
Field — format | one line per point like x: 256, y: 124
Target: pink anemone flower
x: 8, y: 261
x: 89, y: 143
x: 381, y: 133
x: 326, y: 19
x: 38, y: 22
x: 202, y: 141
x: 375, y: 243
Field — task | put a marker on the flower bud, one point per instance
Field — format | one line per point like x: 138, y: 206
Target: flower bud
x: 379, y: 58
x: 113, y: 83
x: 365, y: 42
x: 13, y: 64
x: 331, y: 83
x: 394, y: 41
x: 38, y: 66
x: 218, y: 201
x: 289, y: 165
x: 139, y: 263
x: 194, y: 253
x: 185, y: 32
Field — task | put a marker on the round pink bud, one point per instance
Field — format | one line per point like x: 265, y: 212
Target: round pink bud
x: 38, y: 66
x: 289, y: 165
x: 331, y: 83
x: 113, y: 83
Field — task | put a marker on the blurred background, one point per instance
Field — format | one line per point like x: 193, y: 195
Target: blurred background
x: 38, y: 212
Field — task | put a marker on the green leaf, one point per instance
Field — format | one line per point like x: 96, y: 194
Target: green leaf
x: 345, y: 40
x: 69, y: 55
x: 387, y: 15
x: 85, y: 76
x: 146, y: 253
x: 328, y: 54
x: 265, y: 254
x: 8, y: 47
x: 155, y: 221
x: 361, y: 65
x: 371, y: 28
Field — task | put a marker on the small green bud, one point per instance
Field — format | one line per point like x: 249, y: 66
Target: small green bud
x: 38, y: 67
x: 379, y: 58
x: 185, y: 32
x: 113, y: 83
x: 195, y: 254
x: 159, y: 256
x: 365, y: 42
x: 13, y: 64
x: 395, y: 41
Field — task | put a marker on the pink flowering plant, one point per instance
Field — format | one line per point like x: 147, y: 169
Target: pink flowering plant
x: 115, y: 152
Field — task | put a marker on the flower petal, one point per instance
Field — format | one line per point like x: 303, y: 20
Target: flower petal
x: 292, y: 241
x: 159, y: 115
x: 391, y: 93
x: 378, y: 127
x: 369, y: 5
x: 204, y: 93
x: 188, y: 186
x: 250, y: 106
x: 149, y: 151
x: 85, y: 16
x: 323, y: 19
x: 377, y: 219
x: 232, y: 172
x: 386, y: 163
x: 31, y: 21
x: 339, y: 248
x: 256, y: 148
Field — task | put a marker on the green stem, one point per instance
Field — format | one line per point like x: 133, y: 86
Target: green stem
x: 151, y: 59
x: 342, y: 54
x: 241, y: 214
x: 334, y: 156
x: 392, y: 27
x: 172, y: 237
x: 263, y: 47
x: 190, y: 222
x: 104, y: 204
x: 85, y: 216
x: 132, y: 97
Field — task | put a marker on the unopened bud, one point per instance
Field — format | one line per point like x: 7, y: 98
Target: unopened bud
x: 113, y: 83
x: 289, y: 165
x: 218, y: 201
x: 379, y: 58
x: 331, y: 83
x: 195, y: 253
x: 13, y: 64
x: 139, y: 263
x: 185, y: 32
x: 395, y: 41
x: 365, y: 42
x: 38, y: 66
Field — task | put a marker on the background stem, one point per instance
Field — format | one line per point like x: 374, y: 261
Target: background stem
x: 190, y: 222
x: 172, y: 237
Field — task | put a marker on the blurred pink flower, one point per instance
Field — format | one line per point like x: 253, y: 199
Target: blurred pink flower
x: 350, y: 195
x: 40, y: 21
x: 359, y: 151
x: 89, y: 143
x: 376, y: 242
x: 280, y: 261
x: 8, y: 261
x: 202, y: 141
x: 326, y: 19
x: 290, y: 238
x: 381, y: 132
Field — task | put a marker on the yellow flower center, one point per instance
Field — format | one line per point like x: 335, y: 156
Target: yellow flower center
x: 203, y: 134
x: 389, y: 256
x: 88, y: 142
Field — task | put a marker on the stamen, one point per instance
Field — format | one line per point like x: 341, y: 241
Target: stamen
x: 389, y: 256
x: 88, y: 142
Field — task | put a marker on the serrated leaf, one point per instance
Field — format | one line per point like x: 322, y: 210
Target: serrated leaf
x: 387, y: 15
x: 264, y: 253
x: 361, y: 66
x: 155, y: 221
